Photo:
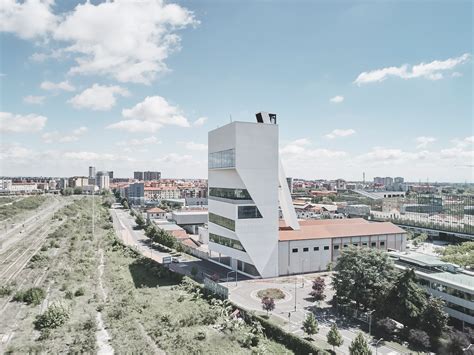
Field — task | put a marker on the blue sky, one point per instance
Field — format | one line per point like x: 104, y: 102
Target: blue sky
x: 378, y: 87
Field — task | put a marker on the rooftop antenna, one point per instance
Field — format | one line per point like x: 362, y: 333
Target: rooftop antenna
x: 230, y: 115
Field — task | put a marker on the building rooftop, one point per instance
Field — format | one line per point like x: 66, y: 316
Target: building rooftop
x: 456, y: 276
x: 155, y: 210
x: 337, y: 228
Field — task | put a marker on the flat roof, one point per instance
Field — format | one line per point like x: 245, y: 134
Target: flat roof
x: 419, y: 258
x: 337, y: 228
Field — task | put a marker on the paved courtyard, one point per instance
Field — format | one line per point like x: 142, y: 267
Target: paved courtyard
x: 297, y: 289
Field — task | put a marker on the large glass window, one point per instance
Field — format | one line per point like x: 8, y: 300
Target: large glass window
x: 222, y: 221
x: 228, y: 242
x: 230, y: 194
x: 245, y: 212
x: 222, y: 159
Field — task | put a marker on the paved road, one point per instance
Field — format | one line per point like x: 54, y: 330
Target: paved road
x: 124, y: 225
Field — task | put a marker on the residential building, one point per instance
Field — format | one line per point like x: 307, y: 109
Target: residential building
x: 102, y: 180
x: 78, y: 181
x: 92, y: 172
x: 138, y: 175
x: 444, y: 280
x: 151, y: 175
x: 161, y: 193
x: 5, y: 185
x: 136, y: 193
x: 24, y: 187
x: 155, y: 213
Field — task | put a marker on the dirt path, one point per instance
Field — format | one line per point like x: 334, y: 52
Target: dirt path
x: 102, y: 336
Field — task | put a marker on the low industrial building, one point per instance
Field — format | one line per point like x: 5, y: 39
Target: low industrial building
x: 190, y: 219
x: 319, y: 242
x: 444, y: 280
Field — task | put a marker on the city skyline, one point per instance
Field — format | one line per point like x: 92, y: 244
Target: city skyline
x: 395, y: 101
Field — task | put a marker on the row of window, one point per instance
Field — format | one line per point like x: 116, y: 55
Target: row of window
x: 230, y: 194
x: 222, y: 221
x: 247, y: 212
x: 231, y: 243
x: 222, y: 159
x: 336, y: 247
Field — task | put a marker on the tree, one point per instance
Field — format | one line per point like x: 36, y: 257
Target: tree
x: 406, y: 301
x: 318, y: 289
x: 268, y: 304
x: 362, y: 275
x: 78, y: 190
x: 462, y: 254
x: 310, y: 324
x: 359, y: 346
x: 434, y: 319
x: 125, y: 204
x: 453, y: 343
x: 140, y: 221
x: 334, y: 337
x: 386, y: 327
x: 419, y: 339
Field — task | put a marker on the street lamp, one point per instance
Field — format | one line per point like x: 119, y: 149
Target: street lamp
x: 377, y: 344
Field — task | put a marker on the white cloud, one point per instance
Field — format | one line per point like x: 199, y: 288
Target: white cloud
x: 200, y: 121
x: 10, y: 122
x: 150, y: 115
x: 337, y: 99
x: 423, y: 141
x: 391, y: 155
x: 175, y: 158
x: 98, y: 97
x: 139, y: 142
x: 63, y: 85
x: 340, y: 133
x: 15, y: 152
x: 128, y: 40
x: 34, y: 100
x: 92, y: 156
x: 55, y: 136
x: 431, y: 71
x: 28, y: 19
x: 196, y: 146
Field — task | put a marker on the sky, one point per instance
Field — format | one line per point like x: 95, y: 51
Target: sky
x: 380, y: 87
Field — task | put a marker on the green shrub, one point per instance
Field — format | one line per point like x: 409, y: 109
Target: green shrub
x: 34, y: 295
x: 79, y: 292
x: 5, y: 290
x: 69, y: 295
x: 200, y: 335
x: 54, y: 317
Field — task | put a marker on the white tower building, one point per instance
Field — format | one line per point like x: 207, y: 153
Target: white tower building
x: 246, y: 181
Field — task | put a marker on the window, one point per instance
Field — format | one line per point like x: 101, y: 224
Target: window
x: 222, y: 159
x: 222, y: 221
x: 305, y: 249
x: 345, y: 245
x: 227, y: 242
x: 382, y: 244
x: 316, y: 249
x: 364, y: 244
x: 355, y: 244
x: 326, y: 247
x: 373, y: 244
x: 230, y: 194
x: 247, y: 212
x: 294, y: 250
x: 336, y: 247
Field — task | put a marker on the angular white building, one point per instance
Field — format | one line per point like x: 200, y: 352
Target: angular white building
x: 245, y: 183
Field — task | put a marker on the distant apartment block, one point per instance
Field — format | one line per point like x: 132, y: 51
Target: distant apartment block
x: 138, y: 175
x: 78, y: 181
x: 102, y: 180
x: 151, y: 175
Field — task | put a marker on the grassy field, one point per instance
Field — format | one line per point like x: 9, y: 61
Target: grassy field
x: 26, y: 204
x: 145, y: 308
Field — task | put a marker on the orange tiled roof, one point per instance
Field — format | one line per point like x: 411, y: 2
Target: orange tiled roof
x: 338, y: 228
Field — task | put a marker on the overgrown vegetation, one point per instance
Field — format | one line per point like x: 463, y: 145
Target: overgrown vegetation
x: 25, y: 204
x: 34, y: 295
